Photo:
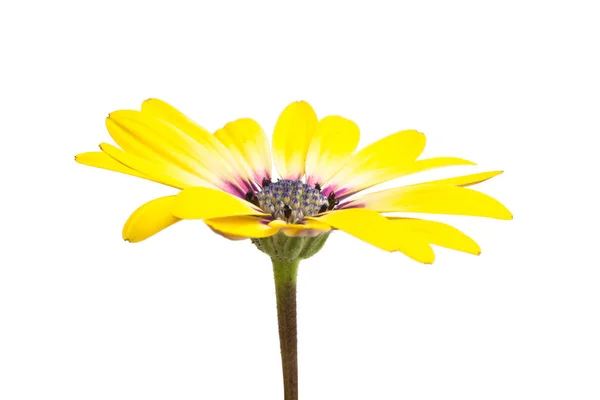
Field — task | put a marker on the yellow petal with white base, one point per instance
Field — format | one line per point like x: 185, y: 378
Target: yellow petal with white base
x: 332, y: 144
x: 291, y: 138
x: 247, y: 142
x: 369, y: 178
x: 376, y: 161
x: 163, y: 173
x: 146, y: 136
x: 166, y: 112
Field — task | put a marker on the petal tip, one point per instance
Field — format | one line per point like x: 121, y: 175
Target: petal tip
x: 127, y: 237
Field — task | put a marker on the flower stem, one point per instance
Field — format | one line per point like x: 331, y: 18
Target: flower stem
x: 285, y: 273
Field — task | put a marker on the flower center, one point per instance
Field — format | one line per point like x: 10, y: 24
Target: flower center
x: 290, y: 200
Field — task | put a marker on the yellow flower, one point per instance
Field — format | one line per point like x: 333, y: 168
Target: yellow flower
x: 226, y: 180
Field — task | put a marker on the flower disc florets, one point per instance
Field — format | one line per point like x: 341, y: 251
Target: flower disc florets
x: 289, y: 200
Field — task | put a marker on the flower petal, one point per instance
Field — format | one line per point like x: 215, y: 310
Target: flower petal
x: 149, y: 219
x: 362, y: 181
x: 466, y: 180
x: 377, y: 230
x: 166, y: 174
x: 247, y: 142
x: 364, y: 224
x: 102, y: 160
x: 333, y: 143
x: 308, y: 228
x: 228, y: 236
x: 205, y: 203
x: 438, y: 233
x: 433, y: 199
x: 411, y: 245
x: 166, y: 112
x: 144, y: 135
x: 376, y: 162
x: 291, y: 138
x: 140, y: 134
x: 242, y: 227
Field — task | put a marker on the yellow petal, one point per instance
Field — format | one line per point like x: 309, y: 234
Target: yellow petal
x: 439, y: 234
x: 153, y: 139
x: 248, y: 144
x: 164, y: 111
x: 433, y: 199
x: 375, y: 229
x: 365, y: 179
x: 376, y: 162
x: 242, y: 227
x: 228, y: 236
x: 205, y: 203
x: 364, y: 224
x: 149, y: 219
x: 430, y: 163
x: 166, y: 174
x: 466, y: 180
x: 307, y: 228
x: 411, y: 245
x: 333, y: 143
x: 159, y: 135
x: 291, y: 138
x: 99, y: 159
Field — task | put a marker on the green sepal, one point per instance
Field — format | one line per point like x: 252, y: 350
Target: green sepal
x: 287, y: 249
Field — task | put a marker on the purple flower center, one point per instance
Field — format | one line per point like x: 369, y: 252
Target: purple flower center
x: 289, y: 200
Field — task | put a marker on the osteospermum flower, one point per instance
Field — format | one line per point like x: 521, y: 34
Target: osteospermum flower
x: 226, y: 180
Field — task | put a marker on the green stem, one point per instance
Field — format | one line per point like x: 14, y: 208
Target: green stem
x: 285, y: 273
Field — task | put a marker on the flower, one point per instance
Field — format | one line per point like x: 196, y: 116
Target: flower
x: 226, y: 180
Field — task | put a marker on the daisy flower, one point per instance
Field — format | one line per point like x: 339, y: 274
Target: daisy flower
x: 226, y: 180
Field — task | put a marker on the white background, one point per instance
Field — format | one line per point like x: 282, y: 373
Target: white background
x: 512, y: 85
